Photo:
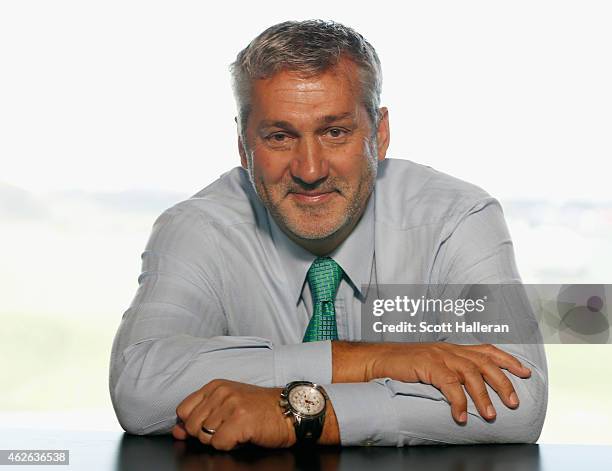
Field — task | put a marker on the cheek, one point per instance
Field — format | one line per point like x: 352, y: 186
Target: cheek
x: 352, y: 161
x: 351, y: 167
x: 269, y: 169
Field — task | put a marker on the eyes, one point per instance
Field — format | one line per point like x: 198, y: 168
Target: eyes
x: 282, y: 138
x: 277, y: 136
x: 336, y: 132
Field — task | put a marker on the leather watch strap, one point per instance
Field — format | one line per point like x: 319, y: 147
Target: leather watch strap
x: 308, y: 431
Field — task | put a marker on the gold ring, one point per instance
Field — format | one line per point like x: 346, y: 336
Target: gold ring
x: 209, y: 431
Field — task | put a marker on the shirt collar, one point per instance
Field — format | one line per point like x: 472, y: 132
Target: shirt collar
x: 354, y: 255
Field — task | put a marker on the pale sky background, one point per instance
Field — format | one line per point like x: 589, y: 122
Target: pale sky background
x: 110, y: 112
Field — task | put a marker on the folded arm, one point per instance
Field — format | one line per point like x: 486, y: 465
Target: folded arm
x: 174, y: 337
x: 390, y: 410
x: 387, y: 411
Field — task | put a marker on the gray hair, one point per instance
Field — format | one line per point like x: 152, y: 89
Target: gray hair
x: 308, y: 47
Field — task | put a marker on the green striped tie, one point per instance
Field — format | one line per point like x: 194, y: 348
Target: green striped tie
x: 324, y: 277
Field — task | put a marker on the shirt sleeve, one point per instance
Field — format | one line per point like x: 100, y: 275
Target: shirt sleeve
x: 173, y: 339
x: 478, y: 250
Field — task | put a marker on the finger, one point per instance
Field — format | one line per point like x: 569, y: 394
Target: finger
x: 448, y: 383
x: 179, y: 432
x: 206, y: 437
x: 505, y: 360
x: 200, y: 413
x: 185, y: 408
x: 475, y: 387
x: 213, y: 423
x: 230, y: 434
x: 496, y: 378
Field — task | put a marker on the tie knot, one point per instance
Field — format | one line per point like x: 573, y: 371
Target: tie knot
x: 324, y: 278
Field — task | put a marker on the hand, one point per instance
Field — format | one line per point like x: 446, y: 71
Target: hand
x: 238, y: 412
x: 444, y: 365
x: 448, y: 366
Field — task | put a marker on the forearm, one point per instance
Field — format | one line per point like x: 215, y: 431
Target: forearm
x: 391, y: 412
x: 385, y: 412
x: 150, y: 378
x: 352, y: 362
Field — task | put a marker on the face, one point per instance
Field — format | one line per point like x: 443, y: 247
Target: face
x: 311, y: 151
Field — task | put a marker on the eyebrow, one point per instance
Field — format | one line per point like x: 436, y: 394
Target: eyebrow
x: 328, y: 119
x: 332, y: 118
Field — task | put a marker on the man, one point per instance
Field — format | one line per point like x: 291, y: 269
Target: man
x: 257, y: 281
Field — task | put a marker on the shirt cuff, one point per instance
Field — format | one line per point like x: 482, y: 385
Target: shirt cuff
x: 308, y: 361
x: 365, y: 413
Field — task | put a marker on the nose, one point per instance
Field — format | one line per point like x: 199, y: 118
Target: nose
x: 309, y: 164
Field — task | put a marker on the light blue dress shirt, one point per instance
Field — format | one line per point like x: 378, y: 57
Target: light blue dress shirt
x: 223, y: 294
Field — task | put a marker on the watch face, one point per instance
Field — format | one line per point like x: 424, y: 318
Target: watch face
x: 306, y: 400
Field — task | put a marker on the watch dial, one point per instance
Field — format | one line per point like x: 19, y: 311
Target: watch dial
x: 306, y: 400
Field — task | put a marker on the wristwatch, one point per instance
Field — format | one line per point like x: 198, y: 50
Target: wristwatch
x: 305, y: 402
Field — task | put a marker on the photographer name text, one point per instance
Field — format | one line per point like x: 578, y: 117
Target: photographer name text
x: 444, y: 327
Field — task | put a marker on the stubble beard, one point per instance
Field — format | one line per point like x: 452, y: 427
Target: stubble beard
x: 354, y: 209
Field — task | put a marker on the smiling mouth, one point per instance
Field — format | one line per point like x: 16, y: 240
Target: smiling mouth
x: 312, y: 197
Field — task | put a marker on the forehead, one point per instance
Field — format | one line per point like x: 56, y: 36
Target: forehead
x: 288, y: 93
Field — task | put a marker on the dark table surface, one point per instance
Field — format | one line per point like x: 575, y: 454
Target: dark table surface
x: 116, y: 451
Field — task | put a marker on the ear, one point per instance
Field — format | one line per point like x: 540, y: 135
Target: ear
x: 382, y: 133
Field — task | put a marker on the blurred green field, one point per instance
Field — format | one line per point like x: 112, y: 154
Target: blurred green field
x: 54, y: 363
